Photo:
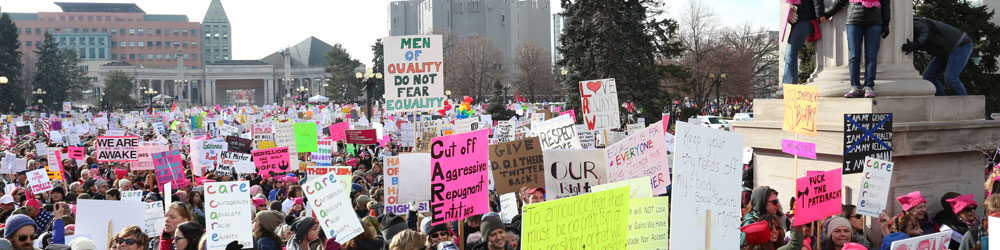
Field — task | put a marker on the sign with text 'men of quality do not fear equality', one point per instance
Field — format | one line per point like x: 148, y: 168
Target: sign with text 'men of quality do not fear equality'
x: 414, y: 73
x: 459, y: 176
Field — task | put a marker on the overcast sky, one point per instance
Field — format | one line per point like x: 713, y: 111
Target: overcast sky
x: 261, y: 27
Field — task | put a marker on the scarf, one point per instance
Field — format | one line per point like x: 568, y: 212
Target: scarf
x: 867, y: 3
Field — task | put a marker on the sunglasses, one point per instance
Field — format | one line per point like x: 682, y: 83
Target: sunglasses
x: 773, y: 202
x: 127, y: 241
x: 438, y: 234
x: 26, y: 237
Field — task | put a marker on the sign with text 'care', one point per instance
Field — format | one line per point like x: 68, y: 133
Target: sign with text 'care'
x: 414, y: 73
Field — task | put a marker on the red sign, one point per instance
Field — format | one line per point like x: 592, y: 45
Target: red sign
x: 361, y: 136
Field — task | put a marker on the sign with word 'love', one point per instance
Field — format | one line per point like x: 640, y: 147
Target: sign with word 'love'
x: 599, y: 103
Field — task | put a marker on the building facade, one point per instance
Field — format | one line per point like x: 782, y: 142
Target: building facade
x: 557, y: 29
x: 216, y: 42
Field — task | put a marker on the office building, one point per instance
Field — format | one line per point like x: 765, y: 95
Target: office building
x: 216, y: 42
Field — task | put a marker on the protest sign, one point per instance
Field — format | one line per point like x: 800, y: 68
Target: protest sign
x: 466, y: 125
x: 637, y: 188
x: 38, y: 180
x: 234, y: 162
x: 239, y: 144
x: 337, y: 131
x: 284, y: 137
x: 209, y: 155
x: 41, y: 148
x: 939, y: 240
x: 516, y: 164
x: 641, y: 154
x: 332, y: 207
x: 599, y: 103
x: 587, y: 137
x: 145, y: 154
x: 168, y: 169
x: 228, y: 214
x: 76, y: 153
x: 705, y: 157
x: 95, y: 217
x: 993, y: 241
x: 407, y: 135
x: 272, y: 161
x: 508, y: 207
x: 570, y: 112
x: 305, y: 136
x: 647, y: 223
x: 875, y: 184
x: 817, y: 196
x: 570, y: 172
x: 634, y: 128
x: 117, y: 148
x: 800, y: 108
x: 417, y: 169
x: 558, y: 133
x: 414, y: 73
x: 133, y: 195
x: 54, y: 170
x: 504, y: 131
x: 361, y: 136
x: 866, y: 135
x: 459, y: 176
x: 799, y: 148
x: 391, y: 176
x: 155, y: 219
x: 323, y: 155
x: 558, y: 224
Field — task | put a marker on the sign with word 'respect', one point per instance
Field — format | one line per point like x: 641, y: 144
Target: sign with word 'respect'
x: 800, y: 108
x: 228, y: 213
x: 117, y: 148
x: 875, y: 184
x: 599, y: 103
x: 558, y: 133
x: 414, y: 73
x: 818, y: 195
x: 516, y: 164
x: 460, y: 176
x: 866, y: 135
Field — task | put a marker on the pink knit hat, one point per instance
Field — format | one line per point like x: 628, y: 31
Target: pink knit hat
x: 911, y: 200
x: 298, y: 201
x: 259, y: 202
x: 853, y: 246
x: 961, y: 202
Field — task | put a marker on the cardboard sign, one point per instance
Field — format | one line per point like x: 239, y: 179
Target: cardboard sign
x: 117, y: 148
x: 95, y: 217
x: 605, y: 215
x: 571, y: 172
x: 239, y: 144
x: 875, y: 184
x: 939, y: 240
x: 168, y: 169
x: 866, y: 135
x: 332, y: 207
x: 459, y: 176
x: 801, y: 149
x: 558, y: 133
x: 637, y: 188
x: 800, y: 108
x: 228, y: 214
x: 414, y: 73
x: 361, y: 136
x: 516, y: 164
x: 647, y: 223
x: 417, y: 184
x: 38, y: 180
x: 391, y: 175
x: 641, y: 154
x: 272, y: 161
x: 818, y: 196
x: 599, y: 103
x: 134, y: 195
x: 155, y: 219
x: 706, y: 157
x: 305, y: 136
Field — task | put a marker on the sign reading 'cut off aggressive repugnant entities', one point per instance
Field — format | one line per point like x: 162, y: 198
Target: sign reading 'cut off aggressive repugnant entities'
x: 414, y: 73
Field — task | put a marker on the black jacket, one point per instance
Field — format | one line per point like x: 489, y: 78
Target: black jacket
x: 809, y: 10
x: 857, y: 14
x: 937, y: 38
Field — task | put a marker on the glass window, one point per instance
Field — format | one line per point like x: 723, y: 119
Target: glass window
x: 27, y: 44
x: 114, y: 56
x: 142, y: 56
x: 72, y: 18
x: 90, y: 18
x: 107, y: 18
x: 177, y: 44
x: 159, y: 31
x: 82, y: 52
x: 185, y: 44
x: 76, y: 30
x: 184, y: 32
x: 100, y: 18
x: 104, y: 30
x: 27, y: 30
x: 149, y: 56
x: 175, y: 31
x: 131, y: 57
x: 141, y: 32
x: 121, y: 31
x: 194, y: 32
x: 131, y: 31
x: 121, y: 44
x: 100, y: 53
x: 167, y: 56
x: 131, y: 44
x: 142, y: 44
x: 194, y: 56
x: 194, y: 44
x: 159, y: 56
x: 149, y: 44
x: 94, y: 30
x: 158, y: 43
x: 38, y: 30
x: 92, y: 53
x: 91, y: 41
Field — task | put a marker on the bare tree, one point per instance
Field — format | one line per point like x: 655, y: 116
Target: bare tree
x: 761, y: 47
x: 698, y: 26
x: 471, y: 66
x: 535, y: 74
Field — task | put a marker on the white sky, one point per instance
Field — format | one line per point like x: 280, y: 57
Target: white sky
x: 261, y: 27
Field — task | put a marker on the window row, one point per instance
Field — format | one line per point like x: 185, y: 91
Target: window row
x: 130, y: 31
x: 143, y: 57
x: 155, y: 44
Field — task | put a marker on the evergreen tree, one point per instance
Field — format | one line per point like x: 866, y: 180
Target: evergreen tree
x: 378, y: 66
x: 10, y: 67
x: 51, y: 76
x: 76, y: 78
x: 618, y: 39
x: 498, y: 104
x: 341, y: 68
x: 980, y: 75
x: 117, y: 91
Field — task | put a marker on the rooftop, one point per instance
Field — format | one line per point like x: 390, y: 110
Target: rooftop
x: 100, y: 7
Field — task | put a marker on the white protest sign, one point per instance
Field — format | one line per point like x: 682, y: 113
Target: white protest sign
x: 599, y: 103
x: 391, y: 174
x: 416, y: 184
x: 134, y: 195
x: 236, y: 162
x: 94, y: 217
x: 332, y: 208
x: 154, y: 219
x: 938, y: 240
x: 571, y: 172
x: 504, y: 131
x: 145, y: 153
x: 228, y: 213
x: 323, y: 155
x: 558, y: 133
x: 643, y: 153
x: 706, y: 157
x: 38, y: 180
x: 875, y: 183
x: 508, y: 207
x: 284, y: 136
x: 414, y: 73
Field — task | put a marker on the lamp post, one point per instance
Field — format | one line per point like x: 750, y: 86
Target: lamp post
x: 302, y: 90
x: 150, y: 93
x: 365, y: 79
x: 3, y: 80
x: 716, y: 82
x: 39, y: 93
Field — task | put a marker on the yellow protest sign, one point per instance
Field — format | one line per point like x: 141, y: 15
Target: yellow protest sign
x: 800, y: 109
x: 265, y: 144
x: 596, y: 220
x: 640, y: 187
x: 648, y: 224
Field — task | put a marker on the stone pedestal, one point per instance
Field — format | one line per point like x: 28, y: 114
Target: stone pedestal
x: 936, y: 143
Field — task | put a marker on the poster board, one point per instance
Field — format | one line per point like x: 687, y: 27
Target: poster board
x: 228, y: 214
x: 390, y: 171
x: 558, y: 133
x: 876, y: 181
x: 571, y: 172
x: 939, y: 240
x: 818, y: 196
x: 517, y: 163
x: 93, y: 218
x: 272, y: 161
x: 545, y: 224
x: 800, y: 102
x: 866, y: 135
x: 459, y: 176
x: 417, y: 184
x: 599, y: 104
x: 117, y: 148
x: 38, y: 180
x: 648, y: 224
x: 332, y: 207
x: 641, y: 154
x: 414, y: 73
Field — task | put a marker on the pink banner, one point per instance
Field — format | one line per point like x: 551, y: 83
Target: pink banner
x: 460, y: 176
x: 571, y: 112
x: 803, y: 149
x: 361, y: 136
x: 817, y: 196
x: 169, y: 169
x: 337, y: 131
x: 271, y: 161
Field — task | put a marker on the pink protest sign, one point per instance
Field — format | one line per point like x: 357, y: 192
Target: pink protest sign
x: 803, y: 149
x: 76, y: 153
x: 666, y: 123
x: 460, y: 176
x: 361, y: 136
x: 337, y: 131
x: 817, y: 196
x: 271, y: 161
x: 571, y: 112
x: 169, y: 169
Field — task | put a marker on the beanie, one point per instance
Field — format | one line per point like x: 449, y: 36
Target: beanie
x: 836, y: 222
x: 961, y: 202
x: 15, y: 222
x: 82, y: 243
x: 332, y: 244
x: 854, y: 246
x: 302, y: 226
x: 259, y: 202
x: 270, y: 219
x: 756, y: 233
x: 911, y: 200
x: 488, y: 224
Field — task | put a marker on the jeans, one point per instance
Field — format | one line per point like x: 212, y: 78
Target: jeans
x: 953, y: 65
x: 796, y: 38
x: 871, y: 36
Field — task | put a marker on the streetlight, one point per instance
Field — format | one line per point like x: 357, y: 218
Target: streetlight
x: 365, y: 79
x: 716, y: 82
x: 3, y: 80
x: 150, y: 93
x: 302, y: 92
x: 38, y: 95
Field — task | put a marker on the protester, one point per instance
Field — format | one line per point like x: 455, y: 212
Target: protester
x: 19, y: 229
x: 803, y: 18
x: 177, y: 213
x: 764, y: 201
x: 306, y: 235
x: 838, y: 233
x: 914, y: 204
x: 408, y: 240
x: 187, y: 234
x: 950, y: 48
x: 264, y: 229
x: 866, y: 20
x: 977, y: 237
x: 965, y: 218
x: 131, y: 238
x: 857, y: 224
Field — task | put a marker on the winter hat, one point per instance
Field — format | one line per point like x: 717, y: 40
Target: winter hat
x: 270, y: 219
x: 33, y: 203
x: 836, y: 222
x: 70, y: 227
x: 60, y: 190
x: 57, y: 247
x: 439, y: 227
x: 488, y: 224
x: 254, y: 190
x: 298, y: 201
x: 756, y: 233
x: 82, y: 243
x: 259, y: 202
x: 961, y: 202
x: 364, y: 199
x: 15, y: 222
x: 332, y: 244
x: 393, y: 225
x: 911, y: 200
x: 853, y: 246
x: 302, y: 226
x: 120, y: 173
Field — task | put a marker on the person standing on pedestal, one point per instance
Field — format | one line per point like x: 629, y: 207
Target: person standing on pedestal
x: 866, y: 20
x: 802, y: 18
x: 951, y: 49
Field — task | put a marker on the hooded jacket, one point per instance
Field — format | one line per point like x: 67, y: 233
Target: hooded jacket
x: 937, y: 38
x: 887, y: 241
x: 758, y: 200
x: 858, y: 14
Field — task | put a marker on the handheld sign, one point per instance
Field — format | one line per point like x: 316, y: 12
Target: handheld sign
x: 414, y: 73
x: 817, y: 196
x: 800, y: 108
x: 228, y: 213
x: 599, y: 103
x: 117, y: 148
x: 516, y: 164
x: 459, y: 176
x: 866, y: 135
x: 597, y: 221
x: 570, y: 172
x: 332, y: 206
x: 875, y: 184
